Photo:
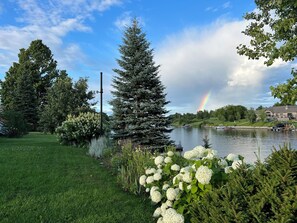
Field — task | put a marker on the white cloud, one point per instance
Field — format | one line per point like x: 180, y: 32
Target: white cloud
x: 104, y: 4
x: 201, y: 60
x: 51, y: 21
x: 227, y: 5
x: 125, y: 20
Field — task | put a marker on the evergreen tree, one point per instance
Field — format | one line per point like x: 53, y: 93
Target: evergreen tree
x: 25, y: 98
x: 139, y: 100
x: 33, y: 74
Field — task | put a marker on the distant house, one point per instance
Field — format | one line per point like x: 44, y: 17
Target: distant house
x: 282, y: 113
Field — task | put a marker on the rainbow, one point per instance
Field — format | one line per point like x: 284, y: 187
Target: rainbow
x: 204, y: 101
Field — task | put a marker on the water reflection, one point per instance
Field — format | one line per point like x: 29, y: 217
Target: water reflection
x: 249, y: 143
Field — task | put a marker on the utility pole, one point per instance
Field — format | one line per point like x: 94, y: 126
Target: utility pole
x: 101, y: 103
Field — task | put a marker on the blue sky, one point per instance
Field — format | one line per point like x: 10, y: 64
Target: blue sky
x: 194, y: 42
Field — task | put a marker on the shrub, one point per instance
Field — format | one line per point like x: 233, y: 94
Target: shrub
x: 14, y: 124
x: 175, y: 182
x: 98, y: 146
x: 79, y: 130
x: 266, y: 193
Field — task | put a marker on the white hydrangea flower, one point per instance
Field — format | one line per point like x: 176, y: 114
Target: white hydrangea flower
x: 189, y: 155
x: 177, y: 177
x: 170, y: 153
x: 163, y: 207
x: 171, y: 216
x: 222, y: 163
x: 180, y: 186
x: 142, y: 180
x: 189, y: 187
x: 156, y: 196
x: 175, y: 167
x: 159, y: 160
x: 157, y: 213
x: 236, y: 164
x: 200, y: 151
x: 186, y: 177
x: 159, y: 166
x: 150, y: 171
x: 169, y: 203
x: 203, y: 174
x: 147, y: 190
x: 165, y: 186
x: 171, y: 194
x: 154, y: 188
x: 228, y: 169
x: 159, y: 170
x: 232, y: 157
x: 168, y: 160
x: 150, y: 179
x: 157, y: 176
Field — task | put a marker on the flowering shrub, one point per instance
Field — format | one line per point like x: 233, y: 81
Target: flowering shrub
x: 174, y: 184
x: 264, y: 193
x: 79, y: 130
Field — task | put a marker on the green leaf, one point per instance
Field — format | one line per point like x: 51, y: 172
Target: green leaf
x: 194, y: 189
x: 201, y: 186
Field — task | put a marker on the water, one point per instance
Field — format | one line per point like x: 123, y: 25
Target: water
x: 248, y: 143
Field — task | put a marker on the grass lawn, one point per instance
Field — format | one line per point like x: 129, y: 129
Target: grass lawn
x: 42, y: 181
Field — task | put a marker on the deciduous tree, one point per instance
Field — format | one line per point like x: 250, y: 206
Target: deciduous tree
x: 273, y: 32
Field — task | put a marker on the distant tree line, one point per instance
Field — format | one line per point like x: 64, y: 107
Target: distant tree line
x: 228, y: 113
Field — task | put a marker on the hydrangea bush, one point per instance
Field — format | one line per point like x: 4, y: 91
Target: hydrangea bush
x: 174, y: 183
x: 79, y: 130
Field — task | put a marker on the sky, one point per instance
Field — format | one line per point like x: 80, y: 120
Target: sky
x: 194, y: 42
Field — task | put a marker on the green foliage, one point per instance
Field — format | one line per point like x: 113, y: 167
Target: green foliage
x: 206, y: 143
x: 80, y: 130
x: 64, y: 98
x: 26, y: 82
x: 251, y: 115
x: 265, y: 193
x: 14, y: 124
x: 43, y: 181
x: 130, y: 165
x: 231, y: 113
x: 177, y: 182
x: 286, y: 92
x: 273, y: 31
x: 139, y: 101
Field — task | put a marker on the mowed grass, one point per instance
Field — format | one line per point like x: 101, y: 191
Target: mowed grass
x: 42, y: 181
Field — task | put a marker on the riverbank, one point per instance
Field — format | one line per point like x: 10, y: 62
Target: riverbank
x: 242, y: 127
x: 239, y: 124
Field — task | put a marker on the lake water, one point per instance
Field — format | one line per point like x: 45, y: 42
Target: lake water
x: 245, y: 142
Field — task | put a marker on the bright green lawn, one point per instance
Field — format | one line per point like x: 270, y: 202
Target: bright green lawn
x: 42, y: 181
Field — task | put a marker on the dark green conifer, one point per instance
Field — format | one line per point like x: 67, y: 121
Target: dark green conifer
x: 139, y: 100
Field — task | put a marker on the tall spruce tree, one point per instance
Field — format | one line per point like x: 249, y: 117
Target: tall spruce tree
x: 139, y: 100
